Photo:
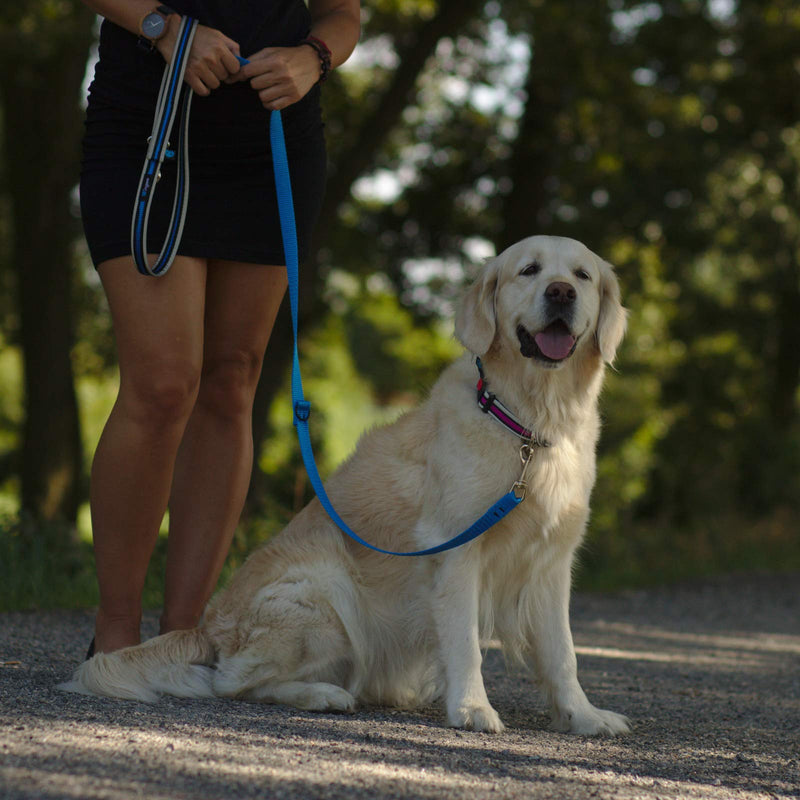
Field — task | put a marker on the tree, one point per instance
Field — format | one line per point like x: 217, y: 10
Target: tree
x: 43, y: 52
x: 665, y: 135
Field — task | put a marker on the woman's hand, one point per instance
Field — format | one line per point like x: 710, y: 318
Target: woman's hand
x: 212, y: 58
x: 282, y: 75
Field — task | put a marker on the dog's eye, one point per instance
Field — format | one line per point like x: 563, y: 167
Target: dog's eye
x: 533, y: 268
x: 583, y: 275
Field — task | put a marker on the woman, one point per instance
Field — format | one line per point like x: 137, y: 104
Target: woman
x: 191, y: 343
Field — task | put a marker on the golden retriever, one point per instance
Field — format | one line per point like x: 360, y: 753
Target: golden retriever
x: 316, y: 621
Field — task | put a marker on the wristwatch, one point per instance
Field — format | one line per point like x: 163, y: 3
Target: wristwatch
x: 153, y: 26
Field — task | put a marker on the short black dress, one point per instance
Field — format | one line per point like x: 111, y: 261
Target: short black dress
x: 232, y: 211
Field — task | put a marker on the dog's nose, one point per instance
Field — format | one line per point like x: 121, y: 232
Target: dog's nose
x: 560, y: 292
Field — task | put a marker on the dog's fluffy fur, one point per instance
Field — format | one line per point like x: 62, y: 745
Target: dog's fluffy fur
x: 316, y: 621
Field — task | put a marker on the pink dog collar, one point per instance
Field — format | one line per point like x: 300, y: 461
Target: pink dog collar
x: 489, y: 404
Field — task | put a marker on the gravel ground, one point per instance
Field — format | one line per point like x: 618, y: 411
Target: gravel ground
x: 709, y: 674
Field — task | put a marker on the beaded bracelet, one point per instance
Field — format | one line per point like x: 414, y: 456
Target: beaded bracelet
x: 324, y: 53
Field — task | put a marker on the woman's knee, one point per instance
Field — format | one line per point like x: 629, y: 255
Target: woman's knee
x: 160, y: 393
x: 228, y: 384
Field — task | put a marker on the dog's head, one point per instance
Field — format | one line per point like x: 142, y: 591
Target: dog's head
x: 549, y: 298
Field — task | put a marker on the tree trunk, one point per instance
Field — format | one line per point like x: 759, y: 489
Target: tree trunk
x: 40, y: 81
x: 532, y: 160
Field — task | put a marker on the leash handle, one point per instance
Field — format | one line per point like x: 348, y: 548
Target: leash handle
x: 171, y: 94
x: 302, y: 408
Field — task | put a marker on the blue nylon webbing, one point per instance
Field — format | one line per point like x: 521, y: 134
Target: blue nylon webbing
x: 302, y: 408
x: 171, y: 90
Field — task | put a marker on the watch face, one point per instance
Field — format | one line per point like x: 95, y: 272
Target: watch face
x: 153, y: 26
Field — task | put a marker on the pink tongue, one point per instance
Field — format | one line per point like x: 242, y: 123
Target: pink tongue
x: 555, y: 343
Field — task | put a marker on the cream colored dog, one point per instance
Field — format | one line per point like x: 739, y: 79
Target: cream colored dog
x: 315, y: 621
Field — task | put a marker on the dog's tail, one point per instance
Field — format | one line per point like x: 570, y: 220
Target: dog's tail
x: 177, y: 663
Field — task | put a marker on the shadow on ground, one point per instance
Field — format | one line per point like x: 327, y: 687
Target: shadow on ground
x: 708, y: 673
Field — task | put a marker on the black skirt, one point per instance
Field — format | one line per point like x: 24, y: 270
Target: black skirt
x: 232, y: 211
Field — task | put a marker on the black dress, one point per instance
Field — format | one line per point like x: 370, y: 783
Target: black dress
x: 232, y: 212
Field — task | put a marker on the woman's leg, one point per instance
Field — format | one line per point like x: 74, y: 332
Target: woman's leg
x: 212, y: 472
x: 158, y: 325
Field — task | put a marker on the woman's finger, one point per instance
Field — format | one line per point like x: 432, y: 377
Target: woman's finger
x: 278, y: 96
x: 264, y: 81
x: 213, y: 59
x: 196, y: 85
x: 217, y: 69
x: 278, y: 104
x: 208, y: 76
x: 230, y: 62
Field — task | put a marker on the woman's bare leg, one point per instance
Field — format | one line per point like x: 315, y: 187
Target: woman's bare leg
x: 215, y: 459
x: 158, y: 325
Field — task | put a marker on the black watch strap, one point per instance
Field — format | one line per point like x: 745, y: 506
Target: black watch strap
x: 143, y: 43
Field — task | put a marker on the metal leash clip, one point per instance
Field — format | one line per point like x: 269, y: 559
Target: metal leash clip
x: 520, y: 487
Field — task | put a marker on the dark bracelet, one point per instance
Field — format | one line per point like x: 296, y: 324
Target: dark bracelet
x: 323, y: 52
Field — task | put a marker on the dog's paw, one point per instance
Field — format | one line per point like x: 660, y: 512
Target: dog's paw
x: 306, y: 696
x: 327, y: 697
x: 476, y: 718
x: 591, y: 721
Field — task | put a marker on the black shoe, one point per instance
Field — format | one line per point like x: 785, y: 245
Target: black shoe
x: 90, y: 651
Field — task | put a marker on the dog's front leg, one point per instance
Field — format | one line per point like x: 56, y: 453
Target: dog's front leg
x: 557, y: 666
x: 456, y: 588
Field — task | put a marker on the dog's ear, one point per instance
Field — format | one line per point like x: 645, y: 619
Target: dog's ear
x: 475, y: 317
x: 613, y: 318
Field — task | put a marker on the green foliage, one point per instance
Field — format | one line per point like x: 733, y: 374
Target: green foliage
x: 32, y: 28
x: 42, y: 567
x: 10, y: 399
x: 45, y: 565
x: 363, y: 366
x: 664, y: 134
x: 648, y: 553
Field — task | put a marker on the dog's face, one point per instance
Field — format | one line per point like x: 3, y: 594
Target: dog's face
x: 547, y: 297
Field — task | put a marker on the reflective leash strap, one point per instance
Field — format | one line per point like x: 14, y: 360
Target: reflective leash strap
x: 302, y: 409
x: 166, y: 109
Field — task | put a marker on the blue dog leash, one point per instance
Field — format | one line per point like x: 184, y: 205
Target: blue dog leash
x: 171, y: 88
x: 302, y: 408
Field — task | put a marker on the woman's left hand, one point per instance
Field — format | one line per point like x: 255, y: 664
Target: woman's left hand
x: 281, y: 75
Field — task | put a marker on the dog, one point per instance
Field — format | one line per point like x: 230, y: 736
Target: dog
x: 316, y: 621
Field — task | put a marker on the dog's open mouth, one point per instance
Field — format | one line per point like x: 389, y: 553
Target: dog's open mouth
x: 554, y: 344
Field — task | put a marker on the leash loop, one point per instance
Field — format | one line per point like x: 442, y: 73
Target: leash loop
x: 172, y: 95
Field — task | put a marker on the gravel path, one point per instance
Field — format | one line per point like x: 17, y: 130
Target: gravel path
x: 709, y: 674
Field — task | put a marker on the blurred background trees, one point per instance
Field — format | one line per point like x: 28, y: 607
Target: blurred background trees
x: 664, y: 134
x: 43, y: 51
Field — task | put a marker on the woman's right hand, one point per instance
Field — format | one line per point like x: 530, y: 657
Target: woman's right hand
x: 212, y: 58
